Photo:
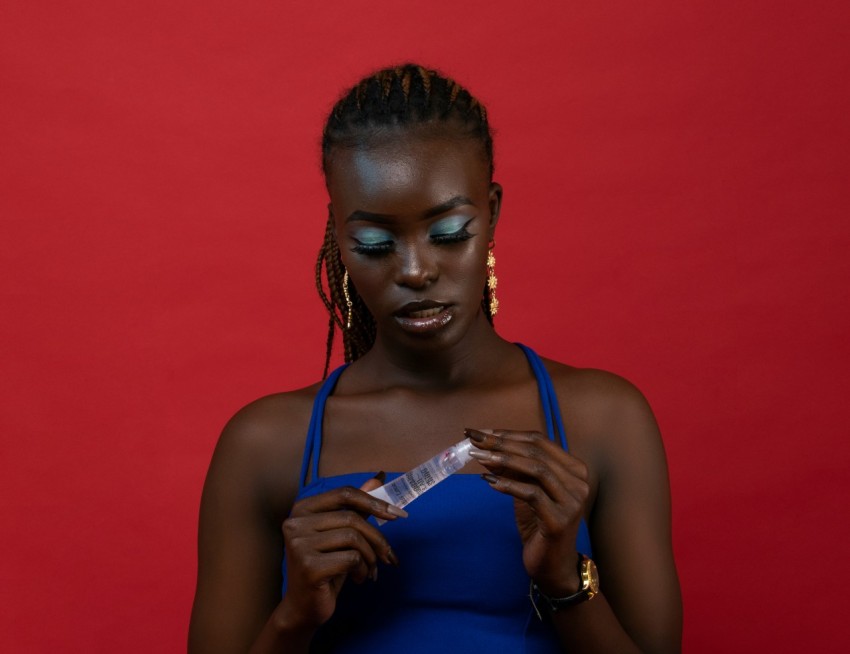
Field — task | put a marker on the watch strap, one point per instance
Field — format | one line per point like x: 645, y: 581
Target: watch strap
x: 552, y: 604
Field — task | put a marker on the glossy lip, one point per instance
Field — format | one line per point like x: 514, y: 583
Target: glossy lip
x: 423, y: 325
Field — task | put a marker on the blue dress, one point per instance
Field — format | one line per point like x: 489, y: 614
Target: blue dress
x: 461, y: 585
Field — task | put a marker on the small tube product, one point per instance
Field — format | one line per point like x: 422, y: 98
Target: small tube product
x: 401, y: 491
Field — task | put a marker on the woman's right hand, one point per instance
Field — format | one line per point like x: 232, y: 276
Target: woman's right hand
x: 326, y: 540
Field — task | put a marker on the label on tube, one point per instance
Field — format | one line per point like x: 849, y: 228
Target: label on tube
x: 402, y: 490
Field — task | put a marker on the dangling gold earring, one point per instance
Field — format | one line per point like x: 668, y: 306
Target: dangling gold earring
x: 492, y: 280
x: 347, y: 300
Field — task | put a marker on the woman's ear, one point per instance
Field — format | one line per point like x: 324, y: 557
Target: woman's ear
x: 495, y: 201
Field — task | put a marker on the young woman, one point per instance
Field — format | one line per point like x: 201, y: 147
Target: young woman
x: 532, y: 547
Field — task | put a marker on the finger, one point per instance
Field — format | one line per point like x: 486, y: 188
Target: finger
x: 375, y: 482
x: 531, y: 455
x: 325, y: 565
x: 554, y: 479
x: 553, y: 515
x: 529, y: 444
x: 532, y: 445
x: 348, y: 497
x: 296, y: 529
x: 340, y: 540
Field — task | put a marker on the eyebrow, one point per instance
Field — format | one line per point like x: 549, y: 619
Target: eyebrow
x: 448, y: 205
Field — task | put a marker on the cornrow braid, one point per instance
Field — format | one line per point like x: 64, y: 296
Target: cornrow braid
x: 401, y: 96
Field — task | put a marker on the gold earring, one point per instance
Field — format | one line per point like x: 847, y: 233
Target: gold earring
x: 492, y: 281
x: 347, y: 300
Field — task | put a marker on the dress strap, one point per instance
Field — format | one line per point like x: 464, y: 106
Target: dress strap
x: 554, y: 422
x: 551, y: 410
x: 313, y: 446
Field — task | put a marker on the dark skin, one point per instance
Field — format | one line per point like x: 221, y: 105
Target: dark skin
x: 400, y: 198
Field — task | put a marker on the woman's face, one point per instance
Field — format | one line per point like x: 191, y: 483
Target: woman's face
x: 413, y: 218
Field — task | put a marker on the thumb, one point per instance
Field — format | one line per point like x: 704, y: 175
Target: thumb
x: 375, y: 482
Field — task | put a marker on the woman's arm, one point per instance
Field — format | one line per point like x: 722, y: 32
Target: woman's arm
x: 240, y: 544
x: 250, y: 488
x: 630, y: 524
x: 639, y: 608
x: 623, y: 490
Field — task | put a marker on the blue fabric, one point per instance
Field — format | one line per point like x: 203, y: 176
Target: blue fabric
x: 461, y: 585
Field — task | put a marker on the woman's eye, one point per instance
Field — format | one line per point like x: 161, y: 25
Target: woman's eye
x: 371, y: 240
x: 451, y: 231
x: 372, y: 247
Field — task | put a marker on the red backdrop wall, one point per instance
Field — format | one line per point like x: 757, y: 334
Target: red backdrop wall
x: 676, y: 210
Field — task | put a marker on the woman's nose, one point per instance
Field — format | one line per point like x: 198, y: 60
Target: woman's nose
x: 417, y: 266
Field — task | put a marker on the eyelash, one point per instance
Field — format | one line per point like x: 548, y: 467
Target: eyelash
x: 373, y: 250
x: 455, y: 237
x: 441, y: 239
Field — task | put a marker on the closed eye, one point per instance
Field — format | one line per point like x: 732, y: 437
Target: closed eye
x: 372, y: 240
x: 373, y: 248
x: 455, y: 236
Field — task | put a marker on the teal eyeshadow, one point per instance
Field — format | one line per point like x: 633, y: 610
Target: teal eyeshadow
x: 447, y: 226
x: 372, y: 236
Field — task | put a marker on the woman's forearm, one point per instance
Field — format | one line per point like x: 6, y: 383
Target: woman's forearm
x: 592, y: 626
x: 282, y: 633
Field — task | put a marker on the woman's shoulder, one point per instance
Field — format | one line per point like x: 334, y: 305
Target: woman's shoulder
x: 592, y: 386
x: 262, y: 445
x: 610, y: 426
x: 272, y: 417
x: 602, y: 407
x: 274, y: 425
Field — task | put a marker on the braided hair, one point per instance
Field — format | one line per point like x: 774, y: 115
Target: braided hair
x: 402, y: 96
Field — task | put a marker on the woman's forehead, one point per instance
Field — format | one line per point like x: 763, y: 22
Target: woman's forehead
x: 430, y: 169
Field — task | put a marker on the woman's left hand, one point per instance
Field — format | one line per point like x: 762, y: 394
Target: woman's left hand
x: 550, y: 490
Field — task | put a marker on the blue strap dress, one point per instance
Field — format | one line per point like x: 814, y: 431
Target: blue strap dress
x: 461, y: 585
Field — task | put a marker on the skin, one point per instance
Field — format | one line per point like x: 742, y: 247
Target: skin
x: 425, y: 389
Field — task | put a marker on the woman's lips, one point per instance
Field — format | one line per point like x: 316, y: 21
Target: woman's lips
x: 421, y: 319
x: 426, y: 313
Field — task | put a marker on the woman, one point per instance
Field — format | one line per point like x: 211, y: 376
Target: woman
x: 500, y: 555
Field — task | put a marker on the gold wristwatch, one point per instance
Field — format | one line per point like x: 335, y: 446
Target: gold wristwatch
x: 588, y: 590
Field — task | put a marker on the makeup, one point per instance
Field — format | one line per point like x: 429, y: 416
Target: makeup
x: 372, y: 236
x: 372, y: 240
x: 450, y: 230
x: 401, y: 491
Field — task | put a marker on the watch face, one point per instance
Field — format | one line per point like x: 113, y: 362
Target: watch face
x: 593, y: 576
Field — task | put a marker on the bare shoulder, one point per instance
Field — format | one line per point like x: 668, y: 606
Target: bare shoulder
x: 597, y: 391
x: 261, y: 446
x: 605, y: 415
x: 266, y: 422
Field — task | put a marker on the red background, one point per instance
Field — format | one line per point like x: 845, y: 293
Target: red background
x: 676, y: 210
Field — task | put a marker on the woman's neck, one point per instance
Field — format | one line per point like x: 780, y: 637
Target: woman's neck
x: 479, y: 357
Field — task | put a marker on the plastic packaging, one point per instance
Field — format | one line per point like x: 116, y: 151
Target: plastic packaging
x: 401, y: 491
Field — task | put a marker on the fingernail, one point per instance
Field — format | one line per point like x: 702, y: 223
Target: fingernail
x: 480, y: 454
x: 373, y: 574
x: 381, y: 476
x: 490, y: 479
x: 392, y: 509
x: 391, y: 557
x: 474, y: 435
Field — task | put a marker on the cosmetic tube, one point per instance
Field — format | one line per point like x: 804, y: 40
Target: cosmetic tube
x: 401, y: 491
